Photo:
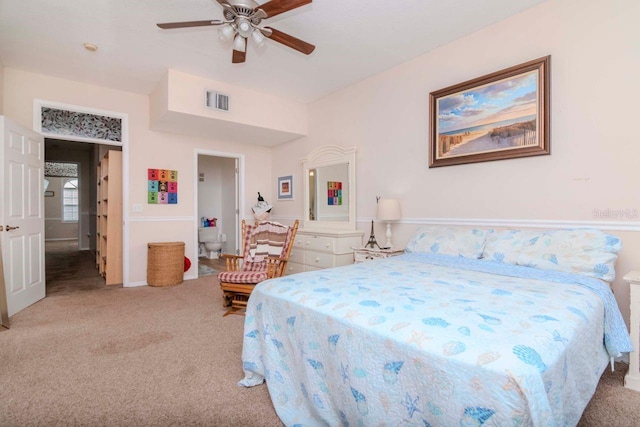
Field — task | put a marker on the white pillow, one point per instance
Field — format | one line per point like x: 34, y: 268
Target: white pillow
x: 587, y: 252
x: 457, y: 241
x: 507, y: 245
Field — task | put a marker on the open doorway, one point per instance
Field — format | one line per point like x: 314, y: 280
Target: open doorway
x: 70, y: 215
x: 217, y: 210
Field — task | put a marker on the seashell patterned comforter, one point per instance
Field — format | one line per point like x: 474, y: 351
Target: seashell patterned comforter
x: 431, y: 340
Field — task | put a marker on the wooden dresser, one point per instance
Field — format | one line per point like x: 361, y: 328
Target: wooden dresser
x: 318, y: 249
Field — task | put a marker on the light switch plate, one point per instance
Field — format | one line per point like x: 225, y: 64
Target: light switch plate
x: 137, y: 207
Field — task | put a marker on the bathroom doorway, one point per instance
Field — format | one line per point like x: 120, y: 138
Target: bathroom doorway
x: 218, y: 210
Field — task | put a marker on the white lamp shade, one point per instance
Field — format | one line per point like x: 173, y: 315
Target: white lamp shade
x: 226, y: 32
x: 239, y: 43
x: 388, y: 210
x: 257, y: 37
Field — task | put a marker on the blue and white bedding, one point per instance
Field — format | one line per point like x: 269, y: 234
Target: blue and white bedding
x: 431, y: 340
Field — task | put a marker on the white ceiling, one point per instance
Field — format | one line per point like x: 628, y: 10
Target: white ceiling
x: 354, y: 39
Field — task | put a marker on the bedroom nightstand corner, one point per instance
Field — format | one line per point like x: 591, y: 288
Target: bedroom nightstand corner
x: 632, y: 378
x: 367, y: 254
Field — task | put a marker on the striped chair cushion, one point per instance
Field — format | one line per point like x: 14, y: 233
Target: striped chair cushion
x: 260, y: 241
x: 268, y: 239
x: 247, y: 277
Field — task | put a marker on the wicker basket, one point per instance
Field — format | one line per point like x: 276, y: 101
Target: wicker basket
x: 165, y: 263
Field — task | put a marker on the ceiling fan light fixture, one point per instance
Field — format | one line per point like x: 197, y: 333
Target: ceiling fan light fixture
x: 226, y: 32
x: 243, y: 20
x: 239, y: 43
x: 244, y: 27
x: 257, y: 37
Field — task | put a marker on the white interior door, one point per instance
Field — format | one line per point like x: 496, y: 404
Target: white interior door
x: 238, y: 237
x: 22, y: 215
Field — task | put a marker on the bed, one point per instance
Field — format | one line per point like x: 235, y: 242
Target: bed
x: 471, y: 327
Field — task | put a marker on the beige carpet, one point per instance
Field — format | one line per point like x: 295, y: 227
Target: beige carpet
x: 128, y: 356
x: 159, y: 356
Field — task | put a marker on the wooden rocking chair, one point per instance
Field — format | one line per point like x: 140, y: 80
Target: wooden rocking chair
x: 266, y: 248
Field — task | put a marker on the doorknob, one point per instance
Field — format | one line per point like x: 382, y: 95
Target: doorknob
x: 9, y: 228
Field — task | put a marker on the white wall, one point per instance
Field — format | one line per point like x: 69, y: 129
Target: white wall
x: 595, y: 63
x: 1, y: 88
x: 179, y: 98
x: 54, y: 228
x: 210, y: 190
x: 147, y: 149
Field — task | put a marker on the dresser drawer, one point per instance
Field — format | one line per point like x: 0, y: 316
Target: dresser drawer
x: 294, y: 267
x: 362, y: 255
x: 319, y: 243
x: 367, y: 256
x: 297, y: 255
x: 316, y: 250
x: 318, y: 259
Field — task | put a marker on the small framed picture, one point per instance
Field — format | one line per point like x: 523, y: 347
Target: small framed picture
x: 285, y: 187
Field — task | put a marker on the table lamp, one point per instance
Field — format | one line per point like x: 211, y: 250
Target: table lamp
x: 388, y: 210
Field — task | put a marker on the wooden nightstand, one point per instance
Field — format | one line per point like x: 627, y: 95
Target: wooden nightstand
x: 367, y: 254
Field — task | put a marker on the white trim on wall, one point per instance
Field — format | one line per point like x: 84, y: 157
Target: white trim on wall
x: 520, y: 223
x: 161, y: 218
x: 506, y: 223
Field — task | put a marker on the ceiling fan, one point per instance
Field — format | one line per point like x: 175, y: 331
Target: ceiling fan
x: 242, y: 20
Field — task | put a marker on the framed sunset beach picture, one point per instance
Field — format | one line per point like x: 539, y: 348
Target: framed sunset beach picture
x: 498, y: 116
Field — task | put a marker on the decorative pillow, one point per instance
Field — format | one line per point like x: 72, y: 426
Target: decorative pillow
x: 506, y: 245
x: 581, y: 251
x: 457, y: 241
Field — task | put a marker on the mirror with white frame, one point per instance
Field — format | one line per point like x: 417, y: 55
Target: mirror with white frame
x: 330, y: 188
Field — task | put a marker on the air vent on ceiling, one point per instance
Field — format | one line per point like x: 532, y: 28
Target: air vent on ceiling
x: 217, y: 101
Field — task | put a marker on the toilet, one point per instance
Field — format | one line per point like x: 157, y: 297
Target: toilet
x: 210, y: 243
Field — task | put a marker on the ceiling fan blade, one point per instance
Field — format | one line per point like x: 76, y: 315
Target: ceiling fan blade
x: 170, y: 25
x: 238, y: 57
x: 290, y: 41
x: 276, y: 7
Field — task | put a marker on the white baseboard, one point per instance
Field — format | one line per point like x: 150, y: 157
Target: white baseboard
x: 144, y: 282
x: 135, y: 284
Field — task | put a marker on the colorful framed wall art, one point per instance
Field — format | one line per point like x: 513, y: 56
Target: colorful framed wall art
x: 162, y: 187
x: 334, y: 193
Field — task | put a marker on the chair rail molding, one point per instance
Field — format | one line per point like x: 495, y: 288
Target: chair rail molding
x: 518, y: 223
